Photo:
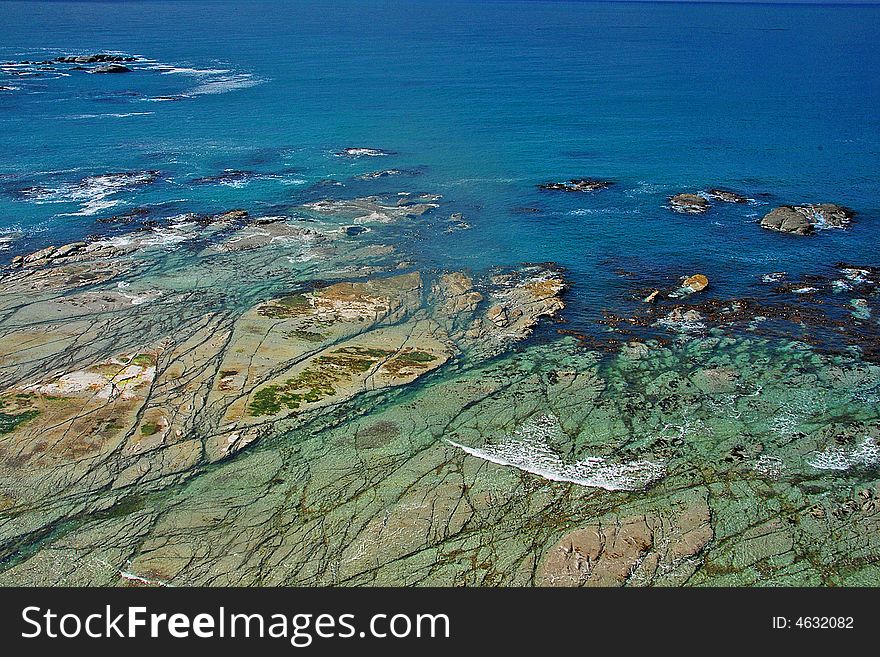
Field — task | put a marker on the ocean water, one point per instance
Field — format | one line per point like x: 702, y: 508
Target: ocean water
x: 479, y: 102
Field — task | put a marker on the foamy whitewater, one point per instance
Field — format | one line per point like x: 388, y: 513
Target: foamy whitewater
x: 529, y: 450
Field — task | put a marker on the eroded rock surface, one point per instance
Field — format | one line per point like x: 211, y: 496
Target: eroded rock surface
x: 658, y: 547
x: 129, y: 367
x: 235, y: 399
x: 689, y: 204
x: 806, y: 219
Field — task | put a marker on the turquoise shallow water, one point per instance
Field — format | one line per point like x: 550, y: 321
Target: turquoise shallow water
x: 480, y: 101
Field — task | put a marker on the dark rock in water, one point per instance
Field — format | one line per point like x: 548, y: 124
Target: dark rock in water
x: 137, y: 214
x: 688, y: 204
x: 354, y: 231
x: 100, y: 58
x: 33, y: 192
x: 231, y: 215
x: 577, y: 185
x: 375, y: 175
x: 227, y: 177
x: 726, y: 196
x: 363, y: 152
x: 227, y: 217
x: 112, y: 68
x: 265, y: 221
x: 806, y: 219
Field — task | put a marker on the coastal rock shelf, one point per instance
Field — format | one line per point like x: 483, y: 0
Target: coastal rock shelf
x: 122, y: 378
x: 551, y: 294
x: 372, y: 493
x: 236, y: 399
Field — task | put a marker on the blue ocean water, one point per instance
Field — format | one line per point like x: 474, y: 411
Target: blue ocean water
x: 480, y: 102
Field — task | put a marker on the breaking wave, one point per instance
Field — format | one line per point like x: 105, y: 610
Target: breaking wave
x: 865, y: 454
x: 93, y: 193
x: 528, y: 450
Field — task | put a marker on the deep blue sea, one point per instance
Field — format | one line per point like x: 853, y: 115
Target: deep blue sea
x: 480, y: 102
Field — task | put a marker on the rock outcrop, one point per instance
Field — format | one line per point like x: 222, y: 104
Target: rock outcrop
x: 806, y: 219
x: 726, y: 196
x: 111, y: 68
x: 577, y: 185
x: 688, y: 204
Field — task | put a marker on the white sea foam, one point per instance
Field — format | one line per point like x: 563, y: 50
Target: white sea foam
x: 118, y: 115
x: 93, y: 193
x: 172, y: 70
x: 93, y: 207
x: 7, y: 239
x: 528, y: 450
x: 644, y: 187
x: 581, y: 212
x: 836, y: 457
x: 856, y: 276
x: 224, y: 84
x: 770, y: 467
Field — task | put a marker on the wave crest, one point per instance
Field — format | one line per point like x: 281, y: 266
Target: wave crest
x: 528, y: 450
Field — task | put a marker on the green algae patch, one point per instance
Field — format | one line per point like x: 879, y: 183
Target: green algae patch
x: 354, y: 360
x: 409, y: 360
x: 9, y: 422
x: 293, y: 305
x: 15, y: 410
x: 316, y: 382
x: 307, y: 336
x: 307, y: 387
x: 149, y: 428
x: 144, y: 360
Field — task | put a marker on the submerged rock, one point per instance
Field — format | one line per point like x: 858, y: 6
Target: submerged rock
x: 806, y: 219
x: 375, y: 175
x: 374, y: 209
x: 577, y: 185
x: 229, y: 216
x: 111, y: 68
x: 688, y: 204
x: 131, y: 216
x: 227, y: 177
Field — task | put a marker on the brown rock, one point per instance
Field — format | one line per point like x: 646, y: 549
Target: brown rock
x: 498, y: 315
x: 688, y: 204
x: 696, y: 283
x: 657, y: 547
x: 805, y: 219
x: 726, y: 196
